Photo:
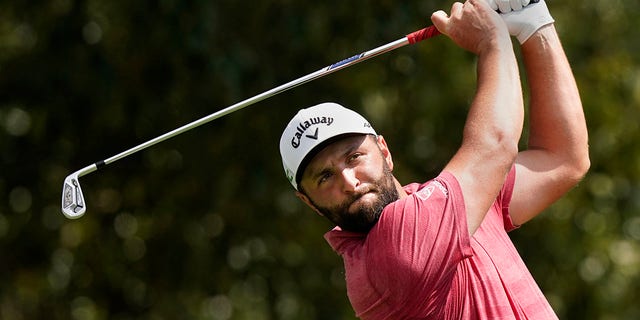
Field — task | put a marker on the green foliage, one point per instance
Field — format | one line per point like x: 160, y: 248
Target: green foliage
x: 205, y: 226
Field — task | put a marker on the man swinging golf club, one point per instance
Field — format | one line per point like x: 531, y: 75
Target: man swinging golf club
x: 439, y: 249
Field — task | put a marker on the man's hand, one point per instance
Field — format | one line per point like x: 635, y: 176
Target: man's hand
x: 524, y: 23
x: 473, y: 26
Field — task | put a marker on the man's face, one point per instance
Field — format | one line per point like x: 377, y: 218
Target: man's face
x: 350, y: 182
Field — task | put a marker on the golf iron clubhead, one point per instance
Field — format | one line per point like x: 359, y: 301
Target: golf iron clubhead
x: 73, y: 204
x: 72, y: 198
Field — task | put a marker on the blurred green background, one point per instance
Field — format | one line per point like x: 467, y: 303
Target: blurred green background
x: 205, y: 226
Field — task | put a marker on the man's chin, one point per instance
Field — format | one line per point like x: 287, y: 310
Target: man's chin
x: 358, y: 224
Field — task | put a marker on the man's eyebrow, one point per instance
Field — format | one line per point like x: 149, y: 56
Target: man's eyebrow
x: 351, y: 148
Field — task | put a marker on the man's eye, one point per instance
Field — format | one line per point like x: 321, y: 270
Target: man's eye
x: 324, y: 178
x: 354, y: 156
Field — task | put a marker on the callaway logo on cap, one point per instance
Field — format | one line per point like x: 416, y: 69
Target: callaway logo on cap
x: 309, y: 128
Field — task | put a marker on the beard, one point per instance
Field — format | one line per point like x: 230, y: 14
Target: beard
x: 364, y: 215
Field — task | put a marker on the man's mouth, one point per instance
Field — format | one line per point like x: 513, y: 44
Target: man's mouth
x: 367, y: 196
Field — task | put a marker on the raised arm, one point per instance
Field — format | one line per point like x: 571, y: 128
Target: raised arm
x: 557, y: 156
x: 494, y: 121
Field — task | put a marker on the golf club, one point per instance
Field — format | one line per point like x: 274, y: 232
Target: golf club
x: 73, y: 203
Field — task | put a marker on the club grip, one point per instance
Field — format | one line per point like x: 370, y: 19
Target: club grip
x: 423, y: 34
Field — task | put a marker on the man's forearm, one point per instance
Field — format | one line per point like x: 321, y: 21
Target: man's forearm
x: 557, y: 123
x: 497, y: 105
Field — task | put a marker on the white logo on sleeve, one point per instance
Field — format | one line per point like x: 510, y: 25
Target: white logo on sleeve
x: 426, y: 192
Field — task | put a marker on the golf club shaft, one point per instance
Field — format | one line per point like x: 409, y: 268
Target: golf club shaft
x: 409, y: 39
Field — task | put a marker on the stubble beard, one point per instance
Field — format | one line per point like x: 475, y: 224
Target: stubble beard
x: 364, y: 215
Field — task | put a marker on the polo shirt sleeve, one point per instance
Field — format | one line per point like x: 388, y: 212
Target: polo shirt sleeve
x: 504, y: 199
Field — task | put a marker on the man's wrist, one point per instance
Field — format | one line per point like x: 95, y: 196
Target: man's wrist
x: 544, y: 36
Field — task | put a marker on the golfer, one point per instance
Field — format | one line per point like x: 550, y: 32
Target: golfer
x: 439, y: 249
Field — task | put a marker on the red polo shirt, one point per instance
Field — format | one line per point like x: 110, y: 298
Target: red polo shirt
x: 419, y: 262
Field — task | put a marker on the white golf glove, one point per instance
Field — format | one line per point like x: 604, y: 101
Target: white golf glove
x: 524, y: 23
x: 504, y: 6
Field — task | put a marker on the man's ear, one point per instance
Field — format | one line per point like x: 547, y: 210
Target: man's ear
x: 382, y: 144
x: 308, y: 202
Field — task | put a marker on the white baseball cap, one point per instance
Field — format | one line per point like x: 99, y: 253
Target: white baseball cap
x: 310, y: 128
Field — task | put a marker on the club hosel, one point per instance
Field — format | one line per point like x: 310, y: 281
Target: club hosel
x: 100, y: 164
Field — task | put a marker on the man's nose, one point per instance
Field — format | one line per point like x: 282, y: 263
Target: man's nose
x: 349, y: 180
